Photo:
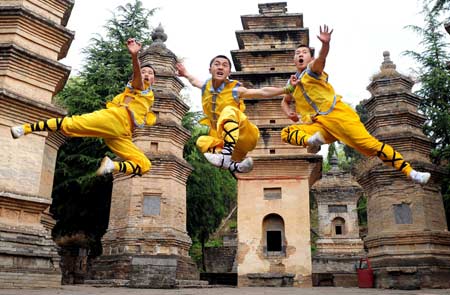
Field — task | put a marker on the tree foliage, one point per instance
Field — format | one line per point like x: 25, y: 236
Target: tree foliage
x: 438, y: 5
x: 81, y: 201
x: 345, y: 161
x: 209, y: 189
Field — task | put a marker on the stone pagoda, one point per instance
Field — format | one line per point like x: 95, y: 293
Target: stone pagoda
x: 339, y: 246
x: 408, y: 241
x: 33, y: 37
x: 273, y: 200
x: 146, y: 244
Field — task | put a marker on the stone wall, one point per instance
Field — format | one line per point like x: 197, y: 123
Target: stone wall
x: 220, y: 259
x: 334, y: 270
x: 74, y: 264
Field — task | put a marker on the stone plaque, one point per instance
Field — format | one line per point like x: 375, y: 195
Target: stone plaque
x: 152, y: 205
x: 272, y: 193
x: 402, y: 213
x: 337, y: 208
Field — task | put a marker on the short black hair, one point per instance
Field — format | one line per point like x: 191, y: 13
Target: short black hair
x: 219, y: 56
x: 144, y: 65
x: 148, y: 65
x: 311, y: 50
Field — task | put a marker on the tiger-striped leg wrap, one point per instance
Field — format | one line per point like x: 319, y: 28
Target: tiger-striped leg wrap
x: 396, y: 160
x: 51, y: 125
x: 230, y: 133
x: 230, y: 136
x: 129, y: 167
x: 212, y: 150
x: 294, y: 138
x: 244, y: 166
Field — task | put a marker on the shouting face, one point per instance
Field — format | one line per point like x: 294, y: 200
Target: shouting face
x: 148, y: 75
x: 220, y: 69
x: 302, y: 58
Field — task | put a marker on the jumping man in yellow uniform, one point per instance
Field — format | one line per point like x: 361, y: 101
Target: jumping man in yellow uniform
x: 114, y: 124
x: 325, y: 118
x: 231, y: 135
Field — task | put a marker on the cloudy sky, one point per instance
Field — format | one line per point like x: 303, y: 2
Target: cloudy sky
x: 198, y: 30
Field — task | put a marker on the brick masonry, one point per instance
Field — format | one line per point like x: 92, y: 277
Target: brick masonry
x: 146, y: 244
x: 408, y: 240
x: 33, y: 38
x: 264, y: 58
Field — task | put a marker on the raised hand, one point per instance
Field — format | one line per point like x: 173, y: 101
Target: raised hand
x: 133, y: 46
x: 181, y: 70
x: 325, y: 34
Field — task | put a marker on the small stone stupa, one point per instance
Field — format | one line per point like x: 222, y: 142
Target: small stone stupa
x: 339, y: 246
x: 146, y: 244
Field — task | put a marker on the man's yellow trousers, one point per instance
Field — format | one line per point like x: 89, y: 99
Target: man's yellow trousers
x: 344, y: 124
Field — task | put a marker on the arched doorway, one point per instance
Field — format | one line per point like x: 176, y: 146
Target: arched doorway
x: 273, y: 235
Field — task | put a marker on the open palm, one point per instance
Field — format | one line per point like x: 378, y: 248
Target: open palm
x: 133, y: 46
x: 325, y: 34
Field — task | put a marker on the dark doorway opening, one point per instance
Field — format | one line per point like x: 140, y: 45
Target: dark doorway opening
x: 274, y: 241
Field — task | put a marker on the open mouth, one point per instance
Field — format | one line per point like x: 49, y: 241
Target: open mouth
x: 300, y: 60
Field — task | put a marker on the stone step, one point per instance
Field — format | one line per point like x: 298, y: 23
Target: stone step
x: 107, y: 283
x: 197, y: 284
x: 184, y: 283
x: 179, y: 284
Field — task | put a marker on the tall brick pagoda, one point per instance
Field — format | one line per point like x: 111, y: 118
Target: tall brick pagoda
x: 146, y: 244
x: 33, y: 37
x: 408, y: 241
x: 273, y: 200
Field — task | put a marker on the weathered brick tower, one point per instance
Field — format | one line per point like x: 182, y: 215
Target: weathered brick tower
x: 146, y: 244
x: 339, y: 246
x: 33, y: 38
x: 273, y: 200
x: 408, y: 241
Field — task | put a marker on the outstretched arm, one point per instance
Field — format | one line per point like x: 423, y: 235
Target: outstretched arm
x: 267, y: 92
x: 182, y: 72
x: 285, y: 106
x: 134, y: 47
x: 318, y: 64
x: 260, y: 93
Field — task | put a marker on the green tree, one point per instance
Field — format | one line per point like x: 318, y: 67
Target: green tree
x: 361, y: 208
x: 434, y: 78
x: 331, y: 150
x: 81, y: 201
x: 438, y: 5
x: 208, y: 189
x: 339, y: 150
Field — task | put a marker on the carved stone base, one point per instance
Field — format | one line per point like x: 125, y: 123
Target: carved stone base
x: 28, y: 259
x: 410, y: 260
x: 267, y: 280
x: 411, y: 278
x: 336, y: 270
x: 144, y: 271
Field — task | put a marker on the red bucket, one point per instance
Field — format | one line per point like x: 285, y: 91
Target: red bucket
x: 365, y: 274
